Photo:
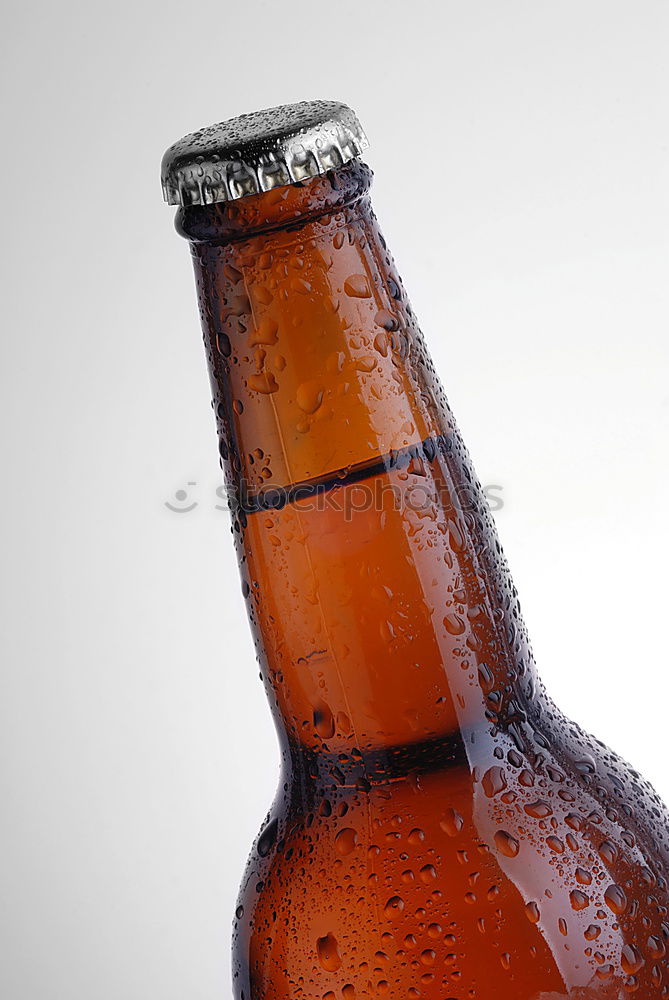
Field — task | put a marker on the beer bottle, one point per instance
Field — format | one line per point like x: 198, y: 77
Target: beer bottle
x: 441, y: 830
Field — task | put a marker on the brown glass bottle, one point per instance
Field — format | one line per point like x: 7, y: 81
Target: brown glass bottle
x: 441, y: 831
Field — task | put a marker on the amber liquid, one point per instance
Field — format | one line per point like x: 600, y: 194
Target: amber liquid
x: 441, y: 831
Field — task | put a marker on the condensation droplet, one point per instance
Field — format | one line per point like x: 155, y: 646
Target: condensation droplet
x: 452, y: 823
x: 324, y: 721
x: 328, y: 953
x: 538, y: 809
x: 386, y: 319
x: 494, y: 781
x: 265, y: 333
x: 309, y: 396
x: 454, y: 624
x: 263, y: 382
x: 427, y: 873
x: 346, y: 841
x: 630, y: 959
x: 267, y: 838
x: 616, y: 899
x: 506, y: 844
x: 394, y: 906
x: 357, y: 286
x: 608, y: 852
x: 578, y: 900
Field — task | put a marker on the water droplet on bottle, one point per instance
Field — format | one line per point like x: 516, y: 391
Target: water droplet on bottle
x: 578, y: 900
x: 232, y: 274
x: 239, y: 305
x: 346, y: 841
x: 309, y: 396
x: 381, y: 344
x: 616, y: 899
x: 454, y: 624
x: 300, y: 286
x: 394, y: 906
x: 386, y: 319
x: 367, y: 363
x: 267, y: 838
x: 538, y: 809
x: 223, y: 345
x: 328, y: 953
x: 357, y: 286
x: 452, y: 823
x: 506, y: 844
x: 265, y: 333
x: 494, y: 781
x: 427, y: 873
x: 324, y: 721
x: 608, y: 852
x: 574, y: 821
x: 486, y: 678
x: 263, y: 382
x: 583, y: 877
x: 630, y: 959
x: 656, y: 947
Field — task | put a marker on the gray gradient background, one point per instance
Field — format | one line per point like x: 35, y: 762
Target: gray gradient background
x: 137, y: 755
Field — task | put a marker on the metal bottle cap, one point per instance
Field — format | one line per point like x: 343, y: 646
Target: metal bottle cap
x: 260, y: 151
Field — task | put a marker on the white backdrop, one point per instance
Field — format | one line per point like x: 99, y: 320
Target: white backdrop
x: 137, y: 756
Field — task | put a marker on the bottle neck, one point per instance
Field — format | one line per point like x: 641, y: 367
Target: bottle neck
x: 369, y: 564
x: 308, y: 333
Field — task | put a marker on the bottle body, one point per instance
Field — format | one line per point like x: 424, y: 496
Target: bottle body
x: 440, y: 830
